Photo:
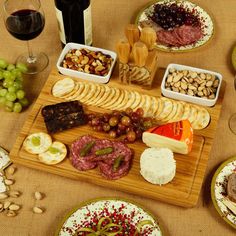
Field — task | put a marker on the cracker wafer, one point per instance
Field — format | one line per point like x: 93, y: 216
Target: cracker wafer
x: 172, y: 113
x: 89, y: 93
x: 136, y: 101
x: 147, y: 106
x: 186, y: 112
x: 100, y: 93
x: 123, y: 103
x: 167, y: 108
x: 179, y: 113
x: 117, y: 99
x: 154, y: 106
x: 71, y: 93
x: 63, y: 87
x: 144, y: 98
x: 193, y: 114
x: 55, y: 154
x: 114, y: 96
x: 106, y: 94
x: 131, y: 99
x: 158, y: 109
x: 79, y: 91
x: 202, y: 120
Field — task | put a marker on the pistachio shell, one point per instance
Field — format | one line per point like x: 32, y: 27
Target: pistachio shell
x: 14, y: 207
x: 38, y: 196
x: 3, y: 196
x: 37, y: 210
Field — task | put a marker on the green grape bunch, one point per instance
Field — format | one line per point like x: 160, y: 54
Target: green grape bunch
x: 12, y: 95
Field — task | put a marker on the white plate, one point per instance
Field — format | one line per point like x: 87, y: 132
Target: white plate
x: 82, y: 75
x: 206, y: 21
x: 185, y: 97
x: 127, y: 213
x: 218, y: 190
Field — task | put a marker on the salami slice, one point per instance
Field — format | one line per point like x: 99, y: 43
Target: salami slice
x: 112, y: 164
x: 119, y: 164
x: 180, y: 36
x: 79, y: 162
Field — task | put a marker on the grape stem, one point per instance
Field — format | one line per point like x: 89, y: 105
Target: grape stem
x: 31, y: 59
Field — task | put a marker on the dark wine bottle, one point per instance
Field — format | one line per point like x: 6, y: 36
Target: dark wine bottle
x: 74, y: 21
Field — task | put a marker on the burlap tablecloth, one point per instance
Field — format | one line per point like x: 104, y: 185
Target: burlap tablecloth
x: 62, y: 194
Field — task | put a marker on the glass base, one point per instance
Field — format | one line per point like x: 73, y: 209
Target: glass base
x: 232, y: 123
x: 35, y: 64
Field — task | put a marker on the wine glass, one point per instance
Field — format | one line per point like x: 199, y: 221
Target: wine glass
x: 24, y: 19
x: 232, y: 119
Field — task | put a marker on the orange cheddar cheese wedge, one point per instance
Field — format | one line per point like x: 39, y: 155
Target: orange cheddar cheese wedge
x: 177, y: 136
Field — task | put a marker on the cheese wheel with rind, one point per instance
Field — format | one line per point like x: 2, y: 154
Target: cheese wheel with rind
x: 157, y: 166
x: 177, y: 136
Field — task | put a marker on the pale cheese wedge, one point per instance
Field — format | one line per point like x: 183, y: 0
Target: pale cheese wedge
x: 177, y: 136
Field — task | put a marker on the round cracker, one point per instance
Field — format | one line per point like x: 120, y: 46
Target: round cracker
x: 63, y: 87
x: 130, y: 100
x: 193, y: 114
x: 179, y: 113
x: 136, y: 101
x: 72, y: 92
x: 172, y: 113
x: 116, y: 99
x: 99, y: 93
x: 113, y: 96
x: 167, y: 108
x: 78, y: 92
x: 186, y: 112
x: 104, y: 97
x: 50, y: 158
x: 158, y: 109
x: 143, y: 101
x: 89, y: 92
x: 80, y: 96
x: 202, y: 120
x: 154, y: 106
x: 44, y: 139
x: 147, y: 106
x: 124, y: 101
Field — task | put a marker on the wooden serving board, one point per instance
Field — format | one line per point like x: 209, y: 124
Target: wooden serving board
x: 183, y: 190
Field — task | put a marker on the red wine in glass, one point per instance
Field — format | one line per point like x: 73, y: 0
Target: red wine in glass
x: 25, y: 21
x: 25, y: 24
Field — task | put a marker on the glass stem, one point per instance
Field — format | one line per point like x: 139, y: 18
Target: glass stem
x: 31, y: 59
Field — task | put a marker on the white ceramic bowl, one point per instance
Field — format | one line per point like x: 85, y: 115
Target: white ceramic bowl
x: 83, y: 75
x: 185, y: 97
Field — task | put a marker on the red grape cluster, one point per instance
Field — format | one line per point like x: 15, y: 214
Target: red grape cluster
x: 129, y: 123
x: 171, y: 16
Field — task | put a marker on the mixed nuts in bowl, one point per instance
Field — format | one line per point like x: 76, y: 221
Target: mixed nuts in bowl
x: 86, y: 62
x: 191, y: 84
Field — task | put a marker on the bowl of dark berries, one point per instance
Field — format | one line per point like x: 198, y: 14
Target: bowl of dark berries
x: 180, y: 25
